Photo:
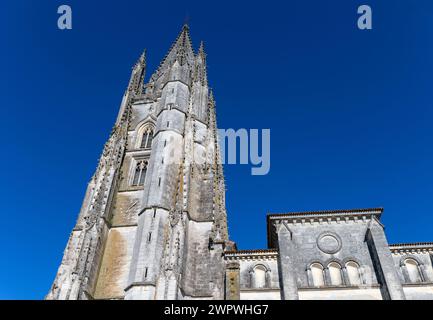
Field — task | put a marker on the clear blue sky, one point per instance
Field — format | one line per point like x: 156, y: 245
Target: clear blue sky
x: 350, y: 112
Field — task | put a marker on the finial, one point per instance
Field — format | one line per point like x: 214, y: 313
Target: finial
x: 142, y: 60
x: 143, y: 56
x: 201, y: 49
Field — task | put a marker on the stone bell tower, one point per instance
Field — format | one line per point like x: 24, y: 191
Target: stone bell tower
x: 153, y: 220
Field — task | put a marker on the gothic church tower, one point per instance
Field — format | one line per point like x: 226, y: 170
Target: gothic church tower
x: 153, y: 220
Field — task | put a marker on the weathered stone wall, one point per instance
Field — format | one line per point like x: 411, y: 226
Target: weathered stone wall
x: 125, y: 208
x: 314, y: 242
x: 232, y: 281
x: 422, y: 254
x: 196, y: 270
x: 247, y: 272
x: 114, y: 270
x: 245, y: 277
x: 422, y: 258
x: 418, y: 292
x: 340, y: 294
x: 264, y: 294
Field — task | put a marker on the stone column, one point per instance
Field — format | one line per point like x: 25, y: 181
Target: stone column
x: 268, y: 282
x: 405, y: 273
x: 310, y: 277
x: 383, y: 262
x: 423, y: 272
x: 287, y: 252
x: 326, y: 276
x: 346, y: 280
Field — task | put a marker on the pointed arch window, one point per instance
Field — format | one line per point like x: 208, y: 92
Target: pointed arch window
x: 139, y: 173
x: 317, y: 275
x: 146, y: 140
x: 353, y: 273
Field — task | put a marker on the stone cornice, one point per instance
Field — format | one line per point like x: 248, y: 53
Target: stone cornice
x: 419, y: 284
x: 416, y: 247
x: 142, y: 152
x: 320, y: 217
x: 273, y: 289
x: 251, y: 254
x: 342, y: 287
x: 325, y: 213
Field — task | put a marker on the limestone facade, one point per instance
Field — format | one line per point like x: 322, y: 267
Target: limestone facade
x: 334, y: 255
x: 153, y: 223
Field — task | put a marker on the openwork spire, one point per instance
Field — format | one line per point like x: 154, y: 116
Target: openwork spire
x: 181, y: 50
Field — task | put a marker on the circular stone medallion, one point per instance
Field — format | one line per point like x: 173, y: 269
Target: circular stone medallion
x: 329, y: 243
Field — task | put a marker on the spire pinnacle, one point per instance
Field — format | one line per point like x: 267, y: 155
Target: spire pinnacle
x: 142, y: 60
x: 211, y: 97
x: 201, y: 49
x: 136, y: 81
x: 143, y: 56
x: 181, y: 50
x: 200, y: 67
x: 183, y: 40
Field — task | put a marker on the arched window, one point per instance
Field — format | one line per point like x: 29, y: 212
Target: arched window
x: 146, y: 140
x: 139, y: 173
x: 259, y: 276
x: 335, y: 274
x: 412, y: 268
x: 317, y: 275
x: 353, y: 273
